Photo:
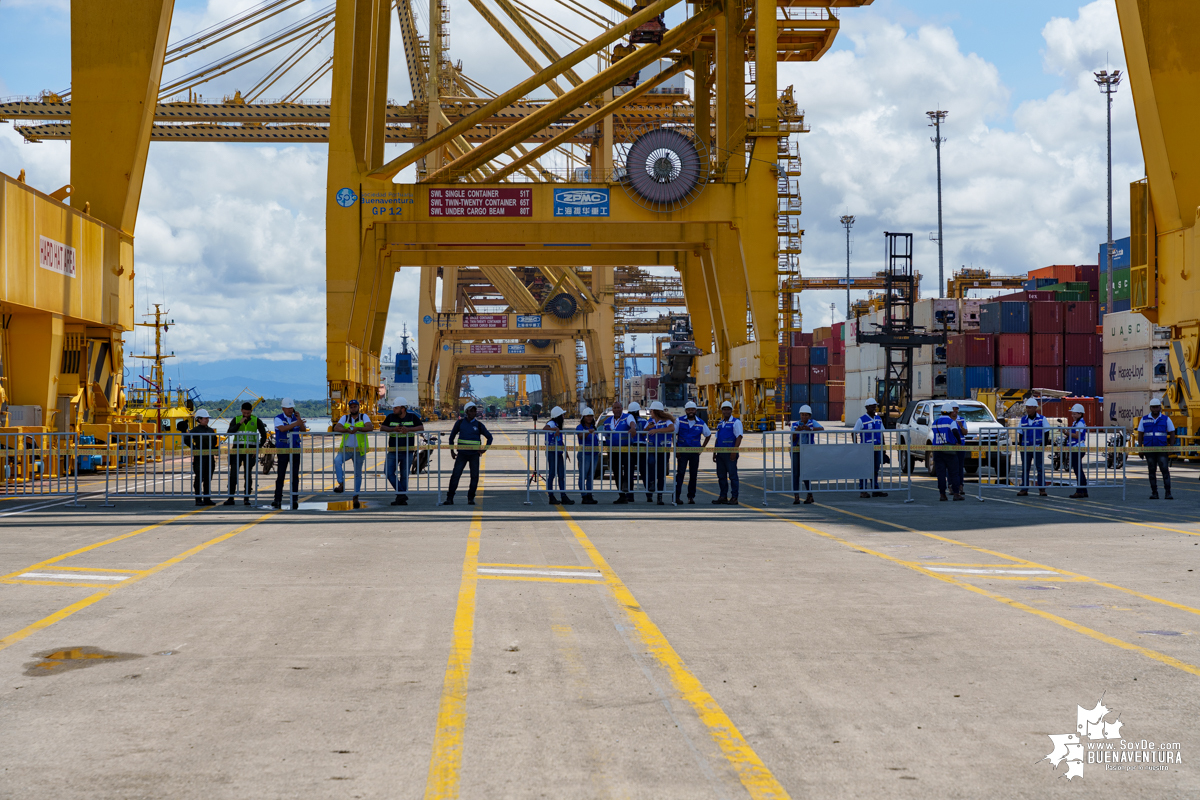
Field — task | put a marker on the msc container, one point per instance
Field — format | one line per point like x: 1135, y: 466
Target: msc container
x: 818, y: 373
x: 1045, y: 317
x: 1012, y: 350
x: 798, y: 373
x: 836, y: 410
x: 1046, y: 349
x: 1041, y: 377
x: 1081, y: 350
x: 837, y: 392
x: 1131, y: 331
x: 798, y: 356
x: 956, y: 383
x: 818, y: 355
x: 1079, y: 317
x: 1126, y: 408
x: 980, y: 378
x: 1136, y: 370
x: 1013, y: 378
x: 798, y: 393
x: 818, y: 393
x: 1081, y: 380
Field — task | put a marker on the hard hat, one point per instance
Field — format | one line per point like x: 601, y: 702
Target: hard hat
x: 634, y: 406
x: 727, y: 404
x: 469, y: 405
x: 288, y: 402
x: 1077, y: 409
x: 805, y: 410
x: 1031, y: 403
x: 557, y: 411
x: 587, y: 412
x: 953, y: 405
x: 1154, y: 401
x: 689, y: 404
x: 203, y: 414
x: 657, y: 406
x: 870, y: 402
x: 400, y: 401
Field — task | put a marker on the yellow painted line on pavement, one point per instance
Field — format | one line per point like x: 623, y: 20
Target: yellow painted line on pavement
x: 758, y: 780
x: 1155, y: 655
x: 445, y: 763
x: 63, y: 613
x: 533, y: 566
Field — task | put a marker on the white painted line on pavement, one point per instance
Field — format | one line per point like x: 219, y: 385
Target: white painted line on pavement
x: 971, y: 571
x: 71, y: 577
x: 548, y: 572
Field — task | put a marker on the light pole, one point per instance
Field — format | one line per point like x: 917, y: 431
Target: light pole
x: 847, y: 223
x: 936, y: 118
x: 1107, y: 81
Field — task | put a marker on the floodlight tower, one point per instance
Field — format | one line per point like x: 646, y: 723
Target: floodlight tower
x: 936, y: 118
x: 848, y: 223
x: 1107, y: 81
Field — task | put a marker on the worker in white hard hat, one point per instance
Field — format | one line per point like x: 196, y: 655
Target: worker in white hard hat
x: 245, y: 435
x: 1031, y: 437
x: 947, y: 433
x: 1156, y: 430
x: 288, y: 427
x: 1077, y: 437
x: 470, y: 432
x: 869, y: 428
x: 729, y: 439
x: 202, y: 441
x: 353, y: 447
x: 691, y: 436
x: 589, y: 460
x: 654, y: 448
x: 556, y: 456
x: 620, y: 460
x: 401, y: 426
x: 804, y: 422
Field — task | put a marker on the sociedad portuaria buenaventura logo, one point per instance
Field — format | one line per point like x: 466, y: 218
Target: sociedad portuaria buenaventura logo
x: 1106, y: 746
x: 345, y: 197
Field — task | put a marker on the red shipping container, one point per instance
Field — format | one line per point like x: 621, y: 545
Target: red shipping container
x: 799, y: 357
x: 836, y: 410
x: 1079, y: 350
x: 1079, y: 317
x: 837, y: 392
x: 1048, y: 378
x: 818, y: 374
x: 1012, y: 350
x: 798, y: 373
x: 1047, y: 350
x: 1092, y: 410
x: 837, y: 372
x: 956, y: 351
x: 835, y: 357
x: 1024, y: 297
x: 1062, y: 273
x: 1046, y: 317
x: 801, y: 339
x: 1091, y: 274
x: 979, y: 349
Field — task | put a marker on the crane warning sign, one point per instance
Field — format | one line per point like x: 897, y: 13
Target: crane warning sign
x: 56, y: 257
x: 481, y: 202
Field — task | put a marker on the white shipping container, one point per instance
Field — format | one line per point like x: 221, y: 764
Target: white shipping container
x: 854, y: 385
x: 929, y: 381
x: 1135, y: 371
x: 1129, y: 330
x: 869, y: 355
x: 923, y: 355
x: 929, y: 313
x: 853, y: 359
x: 968, y: 314
x: 1125, y: 408
x: 853, y: 410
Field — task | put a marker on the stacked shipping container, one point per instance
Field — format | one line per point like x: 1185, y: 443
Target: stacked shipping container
x: 1135, y: 366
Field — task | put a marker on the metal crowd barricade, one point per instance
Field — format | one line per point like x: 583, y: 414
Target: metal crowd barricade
x: 171, y: 465
x: 1096, y: 463
x: 799, y: 462
x: 40, y: 465
x: 385, y: 459
x: 610, y: 466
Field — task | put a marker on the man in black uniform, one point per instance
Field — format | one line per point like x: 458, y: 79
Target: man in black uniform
x: 243, y: 453
x: 202, y: 441
x: 468, y: 431
x: 401, y: 424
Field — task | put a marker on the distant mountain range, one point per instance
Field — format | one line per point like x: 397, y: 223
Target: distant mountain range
x: 300, y: 380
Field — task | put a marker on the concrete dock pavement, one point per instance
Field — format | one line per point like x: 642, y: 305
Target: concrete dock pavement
x: 851, y: 648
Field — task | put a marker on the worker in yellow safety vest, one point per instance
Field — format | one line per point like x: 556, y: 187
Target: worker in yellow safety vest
x: 353, y: 446
x: 245, y: 435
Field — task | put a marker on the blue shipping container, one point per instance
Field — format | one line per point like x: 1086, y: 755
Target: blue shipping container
x: 819, y: 411
x: 1007, y: 317
x: 1014, y: 377
x: 798, y: 393
x: 956, y: 383
x: 1033, y: 284
x: 980, y: 378
x: 818, y: 356
x: 1120, y: 254
x: 1081, y: 381
x: 818, y: 393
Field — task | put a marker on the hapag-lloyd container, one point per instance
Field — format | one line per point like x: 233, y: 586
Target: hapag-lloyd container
x: 1129, y: 330
x: 1046, y: 350
x: 1126, y: 408
x: 1045, y: 317
x: 1081, y: 350
x: 1135, y: 370
x: 1012, y: 350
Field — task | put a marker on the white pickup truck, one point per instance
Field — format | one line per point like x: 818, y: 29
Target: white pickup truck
x: 915, y: 424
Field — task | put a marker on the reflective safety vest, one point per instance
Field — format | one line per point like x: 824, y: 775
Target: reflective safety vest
x: 246, y: 436
x: 1032, y: 431
x: 805, y: 437
x: 1154, y: 431
x: 620, y: 428
x: 661, y: 441
x: 689, y: 433
x: 588, y: 436
x: 945, y: 431
x: 1078, y: 433
x: 872, y: 428
x: 360, y: 444
x: 725, y: 434
x: 554, y: 437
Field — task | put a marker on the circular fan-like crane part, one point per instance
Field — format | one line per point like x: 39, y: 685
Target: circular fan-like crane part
x: 665, y: 169
x: 541, y: 344
x: 562, y: 306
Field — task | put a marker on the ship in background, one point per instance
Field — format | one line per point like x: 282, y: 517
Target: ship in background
x: 398, y: 374
x: 152, y: 399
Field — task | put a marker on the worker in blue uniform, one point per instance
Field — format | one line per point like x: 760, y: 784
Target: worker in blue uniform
x: 656, y: 437
x: 1077, y: 436
x: 589, y: 454
x: 556, y: 455
x: 622, y: 428
x: 692, y: 433
x: 869, y: 428
x: 945, y: 463
x: 470, y: 432
x: 1031, y: 433
x: 729, y: 438
x: 1156, y: 430
x: 804, y: 423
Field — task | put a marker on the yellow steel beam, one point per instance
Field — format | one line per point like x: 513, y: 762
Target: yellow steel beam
x: 538, y: 40
x: 514, y: 291
x: 514, y: 43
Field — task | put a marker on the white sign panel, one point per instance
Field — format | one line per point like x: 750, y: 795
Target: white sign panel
x: 56, y: 257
